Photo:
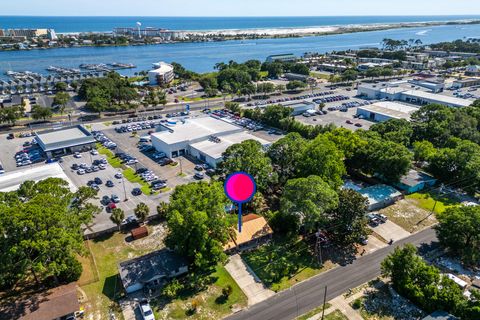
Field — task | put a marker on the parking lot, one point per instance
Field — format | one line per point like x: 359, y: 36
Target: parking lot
x: 122, y: 188
x: 9, y: 148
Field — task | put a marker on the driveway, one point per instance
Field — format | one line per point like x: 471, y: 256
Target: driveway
x: 390, y: 230
x: 247, y: 280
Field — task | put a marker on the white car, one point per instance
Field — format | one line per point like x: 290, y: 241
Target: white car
x: 80, y: 172
x: 146, y: 311
x: 77, y: 155
x: 94, y: 152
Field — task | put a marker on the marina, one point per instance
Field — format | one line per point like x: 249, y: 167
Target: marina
x: 202, y: 57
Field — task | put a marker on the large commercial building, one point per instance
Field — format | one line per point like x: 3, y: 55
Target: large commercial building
x: 399, y: 92
x: 162, y: 74
x: 385, y: 110
x: 203, y: 138
x: 287, y: 57
x: 164, y: 34
x: 65, y: 141
x: 464, y: 83
x: 26, y: 33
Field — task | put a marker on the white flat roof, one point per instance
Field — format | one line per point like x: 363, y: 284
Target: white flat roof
x: 62, y: 135
x: 11, y: 181
x: 162, y: 68
x: 391, y: 109
x: 215, y: 150
x: 195, y: 129
x: 439, y: 98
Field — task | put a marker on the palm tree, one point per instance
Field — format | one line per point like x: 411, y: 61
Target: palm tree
x: 142, y: 211
x: 117, y: 217
x: 162, y: 209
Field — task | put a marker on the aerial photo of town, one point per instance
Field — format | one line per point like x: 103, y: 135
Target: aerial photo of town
x: 240, y: 160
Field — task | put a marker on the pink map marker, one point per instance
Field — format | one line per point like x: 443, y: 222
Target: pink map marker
x: 240, y: 187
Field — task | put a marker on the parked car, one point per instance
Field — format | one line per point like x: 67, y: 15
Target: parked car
x: 77, y: 155
x: 199, y: 175
x: 118, y: 175
x: 146, y: 311
x: 199, y: 167
x: 94, y: 152
x: 110, y: 207
x: 98, y: 180
x: 137, y: 191
x: 115, y: 198
x: 80, y: 172
x: 105, y: 200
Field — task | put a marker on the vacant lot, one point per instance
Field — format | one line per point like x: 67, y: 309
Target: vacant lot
x: 282, y: 263
x: 409, y: 215
x: 382, y: 303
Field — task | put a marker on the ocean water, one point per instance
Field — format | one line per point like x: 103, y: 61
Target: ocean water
x: 85, y: 24
x: 201, y: 57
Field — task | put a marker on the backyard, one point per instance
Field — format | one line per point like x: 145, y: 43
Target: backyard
x: 284, y: 262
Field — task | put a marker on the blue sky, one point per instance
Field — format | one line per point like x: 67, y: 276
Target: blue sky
x: 238, y: 7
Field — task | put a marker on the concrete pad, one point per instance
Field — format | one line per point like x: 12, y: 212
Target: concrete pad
x: 374, y: 244
x: 390, y: 230
x: 247, y: 280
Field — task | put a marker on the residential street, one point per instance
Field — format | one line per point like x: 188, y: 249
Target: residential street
x: 309, y: 294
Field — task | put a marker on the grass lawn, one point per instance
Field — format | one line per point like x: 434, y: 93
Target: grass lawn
x: 284, y: 262
x: 130, y: 175
x: 111, y: 159
x: 336, y: 315
x: 313, y: 312
x: 427, y: 201
x: 211, y: 304
x: 107, y: 252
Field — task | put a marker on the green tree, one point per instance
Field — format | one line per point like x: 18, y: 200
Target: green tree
x: 396, y: 130
x: 459, y: 231
x: 162, y: 209
x: 273, y: 114
x: 308, y: 199
x: 41, y: 234
x: 61, y: 99
x: 39, y: 112
x: 197, y: 223
x: 60, y: 86
x: 349, y: 75
x: 286, y: 156
x: 117, y: 217
x: 349, y: 218
x: 296, y: 85
x: 249, y: 156
x: 322, y: 158
x: 141, y: 211
x: 10, y: 115
x: 423, y: 150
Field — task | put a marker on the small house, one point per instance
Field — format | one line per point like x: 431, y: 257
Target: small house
x: 153, y: 269
x: 255, y: 231
x: 380, y: 196
x: 53, y: 304
x: 415, y: 181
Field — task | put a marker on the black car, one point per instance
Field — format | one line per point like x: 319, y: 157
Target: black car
x: 141, y: 170
x: 136, y: 191
x: 105, y: 200
x: 98, y: 180
x: 75, y: 167
x: 109, y: 183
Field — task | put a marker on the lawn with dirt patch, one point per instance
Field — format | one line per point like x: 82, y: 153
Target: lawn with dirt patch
x: 211, y: 303
x: 407, y: 214
x: 284, y: 262
x: 107, y: 252
x: 313, y: 312
x: 336, y: 315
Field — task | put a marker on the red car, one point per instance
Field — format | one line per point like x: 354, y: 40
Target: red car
x: 111, y: 206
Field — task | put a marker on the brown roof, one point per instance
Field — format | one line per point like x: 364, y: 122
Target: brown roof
x: 253, y: 227
x: 139, y: 232
x: 47, y: 305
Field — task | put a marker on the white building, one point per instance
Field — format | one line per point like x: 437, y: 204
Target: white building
x: 204, y: 138
x: 399, y: 92
x: 385, y: 110
x: 162, y: 74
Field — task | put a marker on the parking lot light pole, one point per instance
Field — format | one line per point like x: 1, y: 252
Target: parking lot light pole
x: 124, y: 189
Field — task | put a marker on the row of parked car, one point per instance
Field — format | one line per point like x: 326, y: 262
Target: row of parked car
x: 286, y: 99
x: 126, y: 158
x: 243, y: 122
x: 136, y: 127
x: 106, y: 142
x: 83, y: 168
x: 331, y: 99
x: 149, y: 176
x: 28, y: 156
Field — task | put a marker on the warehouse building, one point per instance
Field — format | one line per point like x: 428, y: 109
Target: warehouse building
x: 384, y: 111
x: 299, y: 108
x: 59, y: 142
x: 204, y: 138
x: 464, y: 83
x: 400, y: 92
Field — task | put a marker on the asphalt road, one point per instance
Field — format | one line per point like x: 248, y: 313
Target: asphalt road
x: 308, y: 295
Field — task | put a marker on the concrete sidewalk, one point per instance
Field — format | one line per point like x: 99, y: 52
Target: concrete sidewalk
x: 247, y: 280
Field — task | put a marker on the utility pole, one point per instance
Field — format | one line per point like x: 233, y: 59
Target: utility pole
x: 124, y: 189
x: 324, y: 302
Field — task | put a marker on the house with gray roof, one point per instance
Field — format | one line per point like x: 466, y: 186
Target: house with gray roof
x: 153, y: 269
x: 58, y: 142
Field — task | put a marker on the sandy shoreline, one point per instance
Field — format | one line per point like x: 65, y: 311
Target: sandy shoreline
x: 322, y: 30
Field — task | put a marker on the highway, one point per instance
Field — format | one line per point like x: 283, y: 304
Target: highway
x: 308, y: 295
